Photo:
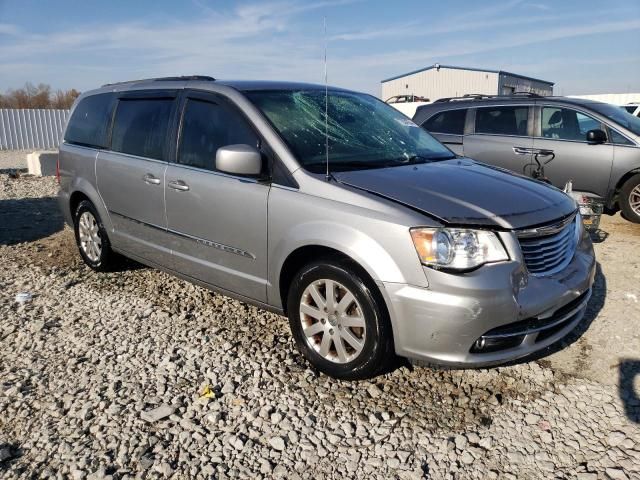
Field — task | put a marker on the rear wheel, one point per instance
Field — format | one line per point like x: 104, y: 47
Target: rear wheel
x: 91, y: 238
x: 337, y: 321
x: 630, y: 199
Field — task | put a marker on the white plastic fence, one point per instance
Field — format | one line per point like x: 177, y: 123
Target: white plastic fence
x: 31, y: 129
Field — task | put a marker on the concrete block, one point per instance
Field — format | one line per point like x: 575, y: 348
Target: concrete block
x: 42, y: 163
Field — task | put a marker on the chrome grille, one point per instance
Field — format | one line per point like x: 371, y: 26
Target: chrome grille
x: 549, y: 249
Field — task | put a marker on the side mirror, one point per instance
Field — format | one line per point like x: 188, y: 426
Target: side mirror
x: 239, y: 160
x: 595, y: 137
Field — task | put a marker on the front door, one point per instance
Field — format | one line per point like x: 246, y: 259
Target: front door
x: 218, y: 222
x: 501, y: 137
x: 130, y: 177
x: 562, y: 132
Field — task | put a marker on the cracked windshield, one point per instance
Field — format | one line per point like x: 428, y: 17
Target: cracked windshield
x: 363, y: 132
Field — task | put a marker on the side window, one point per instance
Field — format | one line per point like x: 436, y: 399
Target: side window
x: 208, y: 126
x: 502, y: 120
x: 630, y: 108
x: 566, y: 124
x: 89, y: 123
x: 619, y: 139
x: 141, y: 127
x: 451, y: 122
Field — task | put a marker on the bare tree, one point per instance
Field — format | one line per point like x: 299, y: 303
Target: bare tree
x: 63, y: 99
x: 40, y: 96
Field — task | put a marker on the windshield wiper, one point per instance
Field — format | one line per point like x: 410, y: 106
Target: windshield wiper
x: 415, y: 159
x: 342, y: 166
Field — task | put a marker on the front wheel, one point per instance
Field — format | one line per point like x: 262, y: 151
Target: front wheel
x: 338, y: 321
x: 630, y: 199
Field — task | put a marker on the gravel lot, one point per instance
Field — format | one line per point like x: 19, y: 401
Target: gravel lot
x: 101, y: 376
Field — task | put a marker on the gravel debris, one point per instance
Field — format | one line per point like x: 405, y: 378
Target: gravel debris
x: 101, y: 376
x: 277, y: 443
x: 158, y: 414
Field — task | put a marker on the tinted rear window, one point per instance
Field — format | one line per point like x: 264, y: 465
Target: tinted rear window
x: 141, y: 127
x: 89, y: 123
x: 502, y: 120
x: 447, y: 122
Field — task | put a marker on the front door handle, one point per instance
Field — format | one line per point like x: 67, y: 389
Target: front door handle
x: 151, y: 180
x: 179, y: 185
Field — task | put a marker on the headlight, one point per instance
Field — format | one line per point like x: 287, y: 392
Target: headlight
x: 457, y: 249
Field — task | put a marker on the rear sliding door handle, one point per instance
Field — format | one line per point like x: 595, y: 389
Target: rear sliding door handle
x: 543, y: 152
x: 178, y: 185
x: 151, y: 180
x: 522, y: 150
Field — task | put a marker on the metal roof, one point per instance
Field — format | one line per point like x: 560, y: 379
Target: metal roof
x: 470, y: 69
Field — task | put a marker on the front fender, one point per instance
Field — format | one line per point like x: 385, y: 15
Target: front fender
x: 360, y: 247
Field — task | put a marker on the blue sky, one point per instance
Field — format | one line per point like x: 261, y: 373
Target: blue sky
x: 585, y: 46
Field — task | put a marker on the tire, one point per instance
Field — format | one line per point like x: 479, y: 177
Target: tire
x: 630, y: 199
x: 363, y: 329
x: 91, y: 238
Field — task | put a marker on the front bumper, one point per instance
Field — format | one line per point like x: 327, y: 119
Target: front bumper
x: 442, y: 323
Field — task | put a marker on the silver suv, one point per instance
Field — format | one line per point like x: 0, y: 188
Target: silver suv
x: 364, y: 230
x: 594, y: 144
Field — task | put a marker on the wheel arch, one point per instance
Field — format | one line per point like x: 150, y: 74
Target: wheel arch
x: 306, y: 254
x: 613, y: 202
x: 84, y: 190
x: 303, y: 256
x: 75, y: 199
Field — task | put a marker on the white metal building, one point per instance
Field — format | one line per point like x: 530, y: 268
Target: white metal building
x: 439, y: 81
x: 614, y: 98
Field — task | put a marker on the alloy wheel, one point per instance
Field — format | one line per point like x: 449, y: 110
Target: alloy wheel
x: 89, y: 233
x: 332, y: 321
x: 634, y: 200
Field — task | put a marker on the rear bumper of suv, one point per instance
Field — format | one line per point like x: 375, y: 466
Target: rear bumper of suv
x: 492, y: 315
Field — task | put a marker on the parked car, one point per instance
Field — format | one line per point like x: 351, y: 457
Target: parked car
x: 394, y: 245
x: 633, y: 109
x: 596, y: 145
x: 407, y: 104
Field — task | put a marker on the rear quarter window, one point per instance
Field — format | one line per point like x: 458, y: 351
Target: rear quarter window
x: 451, y: 122
x: 89, y: 123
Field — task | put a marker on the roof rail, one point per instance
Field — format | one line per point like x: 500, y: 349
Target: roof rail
x: 482, y: 96
x: 204, y: 78
x: 526, y: 94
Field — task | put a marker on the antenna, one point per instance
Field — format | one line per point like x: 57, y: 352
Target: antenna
x: 326, y: 103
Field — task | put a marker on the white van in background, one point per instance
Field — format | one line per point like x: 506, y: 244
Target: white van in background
x: 407, y: 104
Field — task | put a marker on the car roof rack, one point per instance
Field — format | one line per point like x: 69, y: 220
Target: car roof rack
x: 182, y: 78
x: 482, y: 96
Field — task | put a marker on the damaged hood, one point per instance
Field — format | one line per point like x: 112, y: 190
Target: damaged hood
x: 464, y: 192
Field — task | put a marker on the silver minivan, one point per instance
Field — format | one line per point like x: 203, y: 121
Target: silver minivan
x: 593, y: 144
x: 331, y: 208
